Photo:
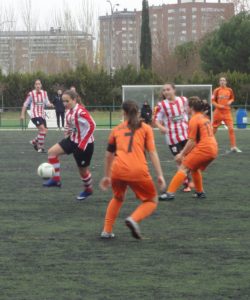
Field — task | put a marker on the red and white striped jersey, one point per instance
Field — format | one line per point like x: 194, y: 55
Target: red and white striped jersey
x: 174, y: 116
x: 80, y: 126
x: 37, y: 102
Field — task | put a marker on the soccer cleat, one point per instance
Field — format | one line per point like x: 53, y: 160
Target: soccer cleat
x: 41, y: 150
x: 201, y: 195
x: 84, y: 195
x: 166, y: 197
x: 52, y: 183
x: 107, y: 235
x: 134, y: 227
x: 34, y: 145
x: 235, y: 150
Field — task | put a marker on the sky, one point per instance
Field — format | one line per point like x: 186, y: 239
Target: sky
x: 43, y: 9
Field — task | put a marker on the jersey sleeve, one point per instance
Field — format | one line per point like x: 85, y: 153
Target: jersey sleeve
x: 87, y: 127
x: 159, y: 113
x: 149, y: 140
x: 232, y: 97
x: 28, y: 100
x: 46, y: 99
x: 111, y: 143
x: 193, y: 129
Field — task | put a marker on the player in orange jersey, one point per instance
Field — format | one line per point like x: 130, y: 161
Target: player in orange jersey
x: 200, y: 150
x: 222, y: 99
x: 126, y: 166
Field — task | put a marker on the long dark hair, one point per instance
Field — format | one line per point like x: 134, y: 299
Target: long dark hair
x: 132, y: 111
x: 198, y: 104
x: 71, y: 94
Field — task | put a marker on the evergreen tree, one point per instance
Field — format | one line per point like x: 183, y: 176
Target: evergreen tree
x: 146, y: 43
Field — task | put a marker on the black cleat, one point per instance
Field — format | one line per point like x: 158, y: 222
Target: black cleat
x: 201, y: 195
x: 166, y: 197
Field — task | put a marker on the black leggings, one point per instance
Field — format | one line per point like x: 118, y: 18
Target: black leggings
x: 58, y: 116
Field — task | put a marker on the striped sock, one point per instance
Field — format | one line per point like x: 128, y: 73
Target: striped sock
x: 53, y: 160
x: 87, y: 182
x: 35, y: 141
x: 41, y: 138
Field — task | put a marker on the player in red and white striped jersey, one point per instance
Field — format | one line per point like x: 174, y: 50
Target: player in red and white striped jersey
x: 79, y: 141
x: 37, y: 100
x: 171, y: 117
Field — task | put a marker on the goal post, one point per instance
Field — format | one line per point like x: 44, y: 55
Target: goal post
x: 151, y: 93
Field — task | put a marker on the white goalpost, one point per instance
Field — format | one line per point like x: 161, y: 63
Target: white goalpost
x: 151, y: 93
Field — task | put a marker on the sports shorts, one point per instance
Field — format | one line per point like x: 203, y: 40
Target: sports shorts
x: 177, y: 148
x: 225, y: 117
x: 198, y: 159
x: 39, y: 121
x: 82, y: 158
x: 144, y: 190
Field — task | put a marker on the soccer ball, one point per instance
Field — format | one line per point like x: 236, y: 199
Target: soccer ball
x: 46, y: 171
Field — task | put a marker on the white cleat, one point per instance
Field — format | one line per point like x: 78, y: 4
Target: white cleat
x: 236, y: 150
x: 41, y: 150
x: 107, y: 235
x: 134, y: 227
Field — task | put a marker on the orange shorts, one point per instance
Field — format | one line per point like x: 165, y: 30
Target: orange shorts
x: 144, y: 190
x: 198, y: 159
x: 221, y: 116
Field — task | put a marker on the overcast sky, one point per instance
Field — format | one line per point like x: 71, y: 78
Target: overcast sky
x: 43, y: 9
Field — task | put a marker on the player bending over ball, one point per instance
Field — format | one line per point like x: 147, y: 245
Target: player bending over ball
x: 200, y: 150
x: 37, y: 100
x: 79, y: 141
x: 171, y: 117
x: 222, y: 99
x: 126, y: 166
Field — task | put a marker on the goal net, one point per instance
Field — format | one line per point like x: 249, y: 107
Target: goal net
x: 151, y: 93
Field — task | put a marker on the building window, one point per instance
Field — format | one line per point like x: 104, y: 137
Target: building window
x: 170, y: 11
x: 182, y: 10
x: 194, y: 9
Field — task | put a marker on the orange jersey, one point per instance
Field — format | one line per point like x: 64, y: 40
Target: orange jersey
x: 130, y: 161
x: 221, y: 96
x: 200, y: 130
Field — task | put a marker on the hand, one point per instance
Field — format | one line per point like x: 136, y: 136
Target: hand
x: 161, y: 183
x: 22, y: 117
x: 229, y: 103
x: 164, y: 130
x: 221, y: 106
x: 179, y: 158
x: 105, y: 183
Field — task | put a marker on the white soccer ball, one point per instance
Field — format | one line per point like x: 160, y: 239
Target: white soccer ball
x: 46, y: 171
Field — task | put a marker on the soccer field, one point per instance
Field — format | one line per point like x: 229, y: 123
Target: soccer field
x: 50, y: 247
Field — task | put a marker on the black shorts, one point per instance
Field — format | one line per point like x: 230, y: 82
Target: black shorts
x: 177, y: 148
x: 39, y: 121
x: 82, y: 158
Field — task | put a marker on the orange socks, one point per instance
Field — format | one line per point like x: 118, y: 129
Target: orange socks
x: 176, y: 182
x: 111, y: 214
x: 197, y: 179
x: 232, y: 137
x: 144, y: 210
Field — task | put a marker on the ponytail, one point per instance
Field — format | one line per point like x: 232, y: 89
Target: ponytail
x: 132, y: 111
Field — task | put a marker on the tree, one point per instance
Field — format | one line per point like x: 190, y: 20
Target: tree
x: 146, y: 43
x: 228, y: 48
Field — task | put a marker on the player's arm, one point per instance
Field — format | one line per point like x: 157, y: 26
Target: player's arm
x: 26, y: 103
x: 48, y: 103
x: 158, y: 120
x: 231, y: 100
x: 108, y: 161
x: 157, y: 166
x: 85, y: 119
x: 188, y: 148
x: 150, y: 147
x: 215, y: 100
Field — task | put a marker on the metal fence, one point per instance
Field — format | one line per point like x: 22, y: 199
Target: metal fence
x: 104, y: 116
